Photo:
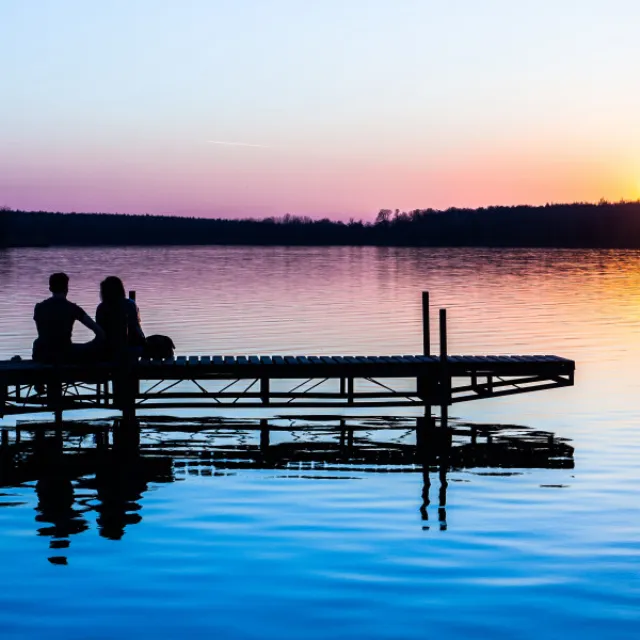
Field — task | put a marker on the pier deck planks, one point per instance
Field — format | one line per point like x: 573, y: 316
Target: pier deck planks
x: 432, y: 378
x: 298, y: 367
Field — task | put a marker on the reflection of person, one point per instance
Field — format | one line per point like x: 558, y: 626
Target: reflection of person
x: 54, y: 318
x: 118, y: 317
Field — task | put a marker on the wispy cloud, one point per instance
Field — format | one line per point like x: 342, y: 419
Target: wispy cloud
x: 237, y: 144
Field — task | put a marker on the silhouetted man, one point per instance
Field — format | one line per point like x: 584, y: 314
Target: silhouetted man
x: 54, y: 319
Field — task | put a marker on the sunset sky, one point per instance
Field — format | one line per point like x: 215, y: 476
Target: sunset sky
x: 336, y: 107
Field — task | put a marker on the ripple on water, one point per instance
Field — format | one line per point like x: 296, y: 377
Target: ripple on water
x: 345, y: 552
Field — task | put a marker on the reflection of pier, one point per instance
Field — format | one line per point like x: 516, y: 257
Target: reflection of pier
x: 281, y: 382
x: 102, y: 469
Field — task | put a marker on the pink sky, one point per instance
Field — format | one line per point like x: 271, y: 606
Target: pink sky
x: 336, y: 109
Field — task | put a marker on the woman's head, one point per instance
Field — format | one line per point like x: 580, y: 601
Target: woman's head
x: 112, y: 290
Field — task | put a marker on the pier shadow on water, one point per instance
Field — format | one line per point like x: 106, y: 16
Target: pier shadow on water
x: 98, y: 472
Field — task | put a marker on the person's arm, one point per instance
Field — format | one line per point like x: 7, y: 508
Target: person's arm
x: 85, y: 319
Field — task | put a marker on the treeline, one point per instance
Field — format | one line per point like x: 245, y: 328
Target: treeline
x: 606, y: 225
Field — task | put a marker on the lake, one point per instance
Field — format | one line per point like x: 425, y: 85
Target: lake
x: 201, y: 536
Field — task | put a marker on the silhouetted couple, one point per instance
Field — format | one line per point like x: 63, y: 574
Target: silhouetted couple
x: 118, y: 334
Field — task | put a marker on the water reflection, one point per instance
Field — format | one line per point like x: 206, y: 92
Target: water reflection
x: 105, y: 469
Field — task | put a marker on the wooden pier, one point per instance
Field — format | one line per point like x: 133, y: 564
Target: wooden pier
x: 281, y: 381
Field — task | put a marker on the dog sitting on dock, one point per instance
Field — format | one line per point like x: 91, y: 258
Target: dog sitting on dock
x: 158, y: 346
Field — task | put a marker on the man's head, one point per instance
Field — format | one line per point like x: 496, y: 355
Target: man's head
x: 59, y: 283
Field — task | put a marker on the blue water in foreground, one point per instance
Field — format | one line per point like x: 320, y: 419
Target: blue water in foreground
x: 190, y: 545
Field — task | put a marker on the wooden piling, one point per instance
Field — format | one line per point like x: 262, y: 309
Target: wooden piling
x: 426, y: 327
x: 443, y: 336
x: 423, y: 386
x: 445, y: 381
x: 264, y: 390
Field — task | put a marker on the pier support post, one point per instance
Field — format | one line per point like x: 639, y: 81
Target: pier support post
x: 426, y: 326
x: 350, y: 390
x: 126, y: 388
x: 445, y: 380
x: 422, y: 382
x: 264, y: 390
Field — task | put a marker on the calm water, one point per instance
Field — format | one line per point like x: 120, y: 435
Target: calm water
x: 204, y: 534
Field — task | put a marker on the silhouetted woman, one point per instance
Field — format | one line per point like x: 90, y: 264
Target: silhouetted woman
x: 119, y: 319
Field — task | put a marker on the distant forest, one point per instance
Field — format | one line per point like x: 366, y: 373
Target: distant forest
x: 605, y: 224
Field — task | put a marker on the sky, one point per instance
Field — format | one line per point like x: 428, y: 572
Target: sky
x: 324, y: 108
